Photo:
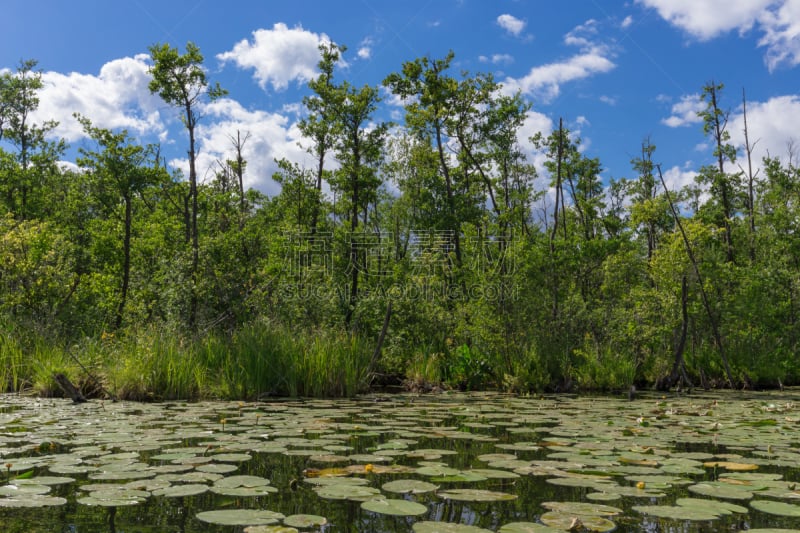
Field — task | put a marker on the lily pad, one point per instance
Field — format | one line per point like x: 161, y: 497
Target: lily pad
x: 305, y: 520
x: 776, y: 508
x: 33, y: 500
x: 476, y: 495
x: 446, y: 527
x: 409, y: 486
x: 181, y: 491
x: 394, y: 507
x: 571, y: 521
x: 240, y: 517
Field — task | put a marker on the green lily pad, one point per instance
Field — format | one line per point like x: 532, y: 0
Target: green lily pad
x: 717, y: 489
x: 32, y: 500
x: 347, y: 492
x: 235, y: 482
x: 446, y: 527
x: 270, y: 529
x: 394, y: 507
x: 409, y: 486
x: 14, y: 490
x: 240, y: 517
x: 476, y: 495
x: 582, y: 508
x: 527, y: 527
x: 305, y: 520
x: 676, y: 512
x: 181, y: 491
x: 571, y: 521
x: 776, y: 508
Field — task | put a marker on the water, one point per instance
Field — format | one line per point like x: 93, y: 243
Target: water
x: 530, y: 457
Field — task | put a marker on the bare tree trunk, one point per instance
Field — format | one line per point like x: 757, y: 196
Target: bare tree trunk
x: 690, y: 253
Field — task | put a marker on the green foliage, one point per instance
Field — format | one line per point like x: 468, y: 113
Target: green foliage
x: 419, y: 253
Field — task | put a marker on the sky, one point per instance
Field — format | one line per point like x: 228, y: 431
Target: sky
x: 617, y: 72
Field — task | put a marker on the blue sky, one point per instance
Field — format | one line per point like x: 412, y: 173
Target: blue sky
x: 616, y: 71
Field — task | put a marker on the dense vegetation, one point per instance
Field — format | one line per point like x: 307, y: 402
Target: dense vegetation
x: 432, y: 259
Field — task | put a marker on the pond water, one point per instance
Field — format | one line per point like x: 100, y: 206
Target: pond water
x: 441, y: 463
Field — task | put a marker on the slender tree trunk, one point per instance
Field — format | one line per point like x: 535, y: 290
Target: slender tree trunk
x: 706, y: 304
x: 126, y: 259
x: 190, y: 122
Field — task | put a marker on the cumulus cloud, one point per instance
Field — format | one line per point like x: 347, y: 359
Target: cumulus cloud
x: 545, y: 80
x: 626, y: 22
x: 685, y: 112
x: 777, y: 20
x: 271, y: 136
x: 497, y: 59
x: 511, y: 24
x: 117, y: 97
x: 771, y: 125
x: 278, y: 56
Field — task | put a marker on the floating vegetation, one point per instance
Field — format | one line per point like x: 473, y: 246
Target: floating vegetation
x: 447, y: 463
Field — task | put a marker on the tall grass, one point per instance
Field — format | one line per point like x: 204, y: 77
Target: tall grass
x: 267, y: 360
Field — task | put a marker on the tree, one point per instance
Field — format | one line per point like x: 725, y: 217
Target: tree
x: 724, y: 187
x: 359, y: 149
x: 36, y: 156
x: 119, y: 171
x: 180, y: 80
x: 320, y: 125
x: 429, y: 92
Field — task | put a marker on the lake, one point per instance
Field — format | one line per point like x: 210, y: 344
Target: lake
x: 450, y: 462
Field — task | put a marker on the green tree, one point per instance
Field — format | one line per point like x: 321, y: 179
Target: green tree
x: 119, y: 170
x: 180, y: 80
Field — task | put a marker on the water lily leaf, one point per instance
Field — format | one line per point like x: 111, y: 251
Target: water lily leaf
x: 21, y: 491
x: 240, y: 517
x: 446, y: 527
x: 232, y: 482
x: 436, y: 471
x: 231, y: 457
x: 305, y: 520
x: 571, y: 521
x: 582, y: 508
x: 476, y: 495
x: 528, y: 527
x: 270, y: 529
x: 776, y: 508
x: 721, y: 508
x: 32, y: 500
x: 181, y: 491
x: 347, y: 492
x: 717, y: 489
x: 731, y: 466
x: 394, y: 507
x: 676, y: 512
x: 409, y: 486
x: 464, y: 476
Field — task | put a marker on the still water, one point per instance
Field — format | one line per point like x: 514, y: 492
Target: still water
x: 450, y: 462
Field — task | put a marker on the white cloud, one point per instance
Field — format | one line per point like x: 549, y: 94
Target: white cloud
x: 271, y: 136
x: 777, y: 20
x: 278, y: 56
x: 626, y: 22
x: 685, y: 112
x: 511, y: 24
x: 782, y: 34
x: 707, y: 19
x: 609, y: 100
x: 115, y: 98
x: 497, y: 59
x: 364, y: 52
x: 545, y: 81
x: 771, y: 126
x: 677, y: 178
